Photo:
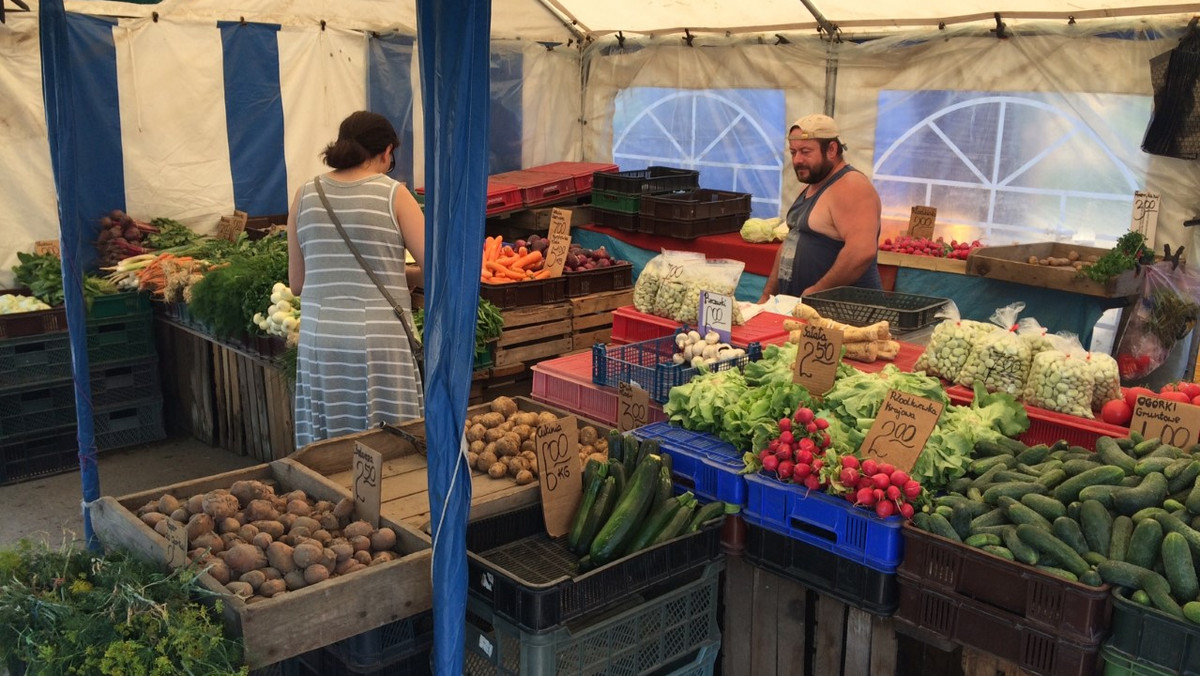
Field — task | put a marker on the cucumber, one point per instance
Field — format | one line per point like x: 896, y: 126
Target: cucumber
x: 1172, y: 524
x: 1159, y: 590
x: 1139, y: 596
x: 1109, y: 453
x: 705, y: 514
x: 1193, y: 498
x: 1067, y: 530
x: 1048, y: 507
x: 1176, y: 467
x: 1040, y: 468
x: 1068, y: 491
x: 1145, y: 446
x: 1008, y: 476
x: 1094, y: 558
x: 996, y: 517
x: 1122, y: 530
x: 653, y: 525
x: 981, y: 539
x: 1061, y: 445
x: 1191, y: 611
x: 1013, y: 445
x: 616, y: 470
x: 984, y: 480
x: 1073, y: 467
x: 602, y: 506
x: 1019, y: 513
x: 991, y: 449
x: 1151, y: 492
x: 585, y: 506
x: 960, y: 521
x: 1044, y: 541
x: 938, y: 525
x: 1021, y: 550
x: 1184, y: 478
x: 677, y: 525
x: 615, y: 447
x: 921, y: 520
x: 1174, y: 506
x: 997, y: 550
x: 1073, y: 510
x: 1052, y: 478
x: 958, y: 503
x: 1091, y: 579
x: 1135, y: 438
x: 959, y: 485
x: 1144, y: 543
x: 1147, y: 465
x: 1147, y: 513
x: 1034, y: 454
x: 1195, y: 522
x: 1122, y: 574
x: 1125, y: 443
x: 975, y: 495
x: 1179, y: 569
x: 1131, y: 481
x: 981, y: 466
x: 1096, y: 523
x: 1012, y: 490
x: 1058, y: 572
x: 1166, y: 451
x: 628, y: 512
x: 1102, y: 494
x: 946, y: 512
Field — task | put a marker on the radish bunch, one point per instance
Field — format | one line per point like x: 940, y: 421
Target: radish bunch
x: 797, y: 455
x: 879, y: 486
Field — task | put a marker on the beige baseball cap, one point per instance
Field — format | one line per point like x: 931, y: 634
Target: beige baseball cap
x: 815, y: 126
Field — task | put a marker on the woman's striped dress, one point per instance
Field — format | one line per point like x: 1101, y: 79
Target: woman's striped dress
x: 355, y: 368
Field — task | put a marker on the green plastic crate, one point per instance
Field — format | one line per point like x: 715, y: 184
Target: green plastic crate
x: 119, y: 304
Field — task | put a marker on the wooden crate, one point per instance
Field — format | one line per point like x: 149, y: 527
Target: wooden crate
x: 592, y: 317
x: 534, y: 333
x: 306, y: 619
x: 1008, y: 263
x: 954, y: 265
x: 185, y: 366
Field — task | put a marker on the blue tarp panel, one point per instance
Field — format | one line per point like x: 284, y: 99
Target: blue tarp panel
x: 454, y: 82
x: 389, y: 93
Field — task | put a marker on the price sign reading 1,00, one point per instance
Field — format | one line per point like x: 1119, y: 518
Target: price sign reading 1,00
x: 1173, y: 423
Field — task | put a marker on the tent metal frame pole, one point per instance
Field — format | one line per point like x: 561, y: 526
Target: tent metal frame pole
x: 831, y: 73
x: 826, y: 25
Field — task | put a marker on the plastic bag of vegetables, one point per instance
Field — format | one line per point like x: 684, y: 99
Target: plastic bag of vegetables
x: 1037, y: 336
x: 1106, y: 379
x: 999, y: 359
x: 665, y: 265
x: 950, y: 344
x: 1061, y: 378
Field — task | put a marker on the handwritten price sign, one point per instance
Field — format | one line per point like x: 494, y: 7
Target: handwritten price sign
x: 716, y: 314
x: 1173, y: 422
x: 177, y: 543
x: 921, y: 221
x: 633, y: 405
x: 368, y: 490
x: 817, y: 359
x: 560, y: 241
x: 901, y: 429
x: 1145, y: 214
x: 561, y: 478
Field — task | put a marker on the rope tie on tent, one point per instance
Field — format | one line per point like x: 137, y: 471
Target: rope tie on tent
x: 462, y: 458
x: 1000, y: 29
x: 688, y: 37
x: 620, y: 40
x: 780, y: 40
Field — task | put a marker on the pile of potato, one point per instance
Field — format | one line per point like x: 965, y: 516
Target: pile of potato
x: 261, y: 545
x: 502, y: 442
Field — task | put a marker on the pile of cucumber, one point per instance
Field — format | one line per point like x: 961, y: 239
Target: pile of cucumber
x: 628, y: 504
x: 1127, y: 514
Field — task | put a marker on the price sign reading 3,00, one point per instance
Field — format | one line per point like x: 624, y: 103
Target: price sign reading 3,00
x: 633, y: 404
x: 558, y: 466
x: 367, y: 473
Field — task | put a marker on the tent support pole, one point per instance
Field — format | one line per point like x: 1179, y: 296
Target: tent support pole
x: 831, y: 71
x: 826, y: 25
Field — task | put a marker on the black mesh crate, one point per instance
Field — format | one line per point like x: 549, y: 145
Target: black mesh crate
x: 124, y: 382
x: 129, y: 424
x: 606, y: 218
x: 30, y: 410
x: 384, y: 647
x: 861, y: 307
x: 118, y: 339
x: 32, y: 360
x: 41, y: 454
x: 646, y: 181
x: 531, y: 579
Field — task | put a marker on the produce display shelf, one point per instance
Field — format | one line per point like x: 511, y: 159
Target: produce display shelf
x: 582, y: 172
x: 631, y: 325
x: 970, y: 623
x: 540, y: 186
x: 1047, y: 427
x: 119, y: 305
x: 523, y: 294
x: 33, y: 360
x: 700, y: 462
x: 1068, y: 610
x: 530, y: 579
x: 1153, y: 639
x: 825, y: 521
x: 823, y: 571
x: 42, y: 453
x: 862, y: 307
x: 648, y: 363
x: 692, y: 214
x: 566, y: 382
x: 26, y: 411
x: 20, y: 324
x: 380, y: 650
x: 670, y: 628
x: 599, y: 280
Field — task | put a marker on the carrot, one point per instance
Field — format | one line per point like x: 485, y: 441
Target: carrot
x: 522, y: 251
x: 502, y: 271
x: 528, y: 260
x: 542, y: 274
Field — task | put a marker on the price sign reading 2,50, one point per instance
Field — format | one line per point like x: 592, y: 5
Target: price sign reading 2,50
x: 816, y: 352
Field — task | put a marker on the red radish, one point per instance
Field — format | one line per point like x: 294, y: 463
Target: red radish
x: 887, y: 468
x: 885, y: 509
x: 770, y: 463
x: 811, y: 427
x: 912, y: 489
x: 850, y: 461
x: 849, y: 497
x: 825, y: 440
x: 818, y: 463
x: 764, y: 454
x: 881, y: 481
x: 848, y: 476
x: 1116, y: 412
x: 802, y: 470
x: 785, y: 438
x: 785, y: 424
x: 865, y: 496
x: 870, y: 467
x: 878, y: 494
x: 774, y: 445
x: 899, y: 478
x: 786, y: 469
x: 805, y: 457
x: 804, y: 415
x: 812, y: 483
x: 907, y: 511
x: 821, y: 423
x: 893, y: 492
x: 807, y: 444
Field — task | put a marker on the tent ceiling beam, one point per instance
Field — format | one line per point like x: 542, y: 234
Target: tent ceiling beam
x: 568, y: 19
x: 826, y: 26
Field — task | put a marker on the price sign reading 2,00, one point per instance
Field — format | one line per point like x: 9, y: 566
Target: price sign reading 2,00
x: 817, y: 352
x: 893, y: 433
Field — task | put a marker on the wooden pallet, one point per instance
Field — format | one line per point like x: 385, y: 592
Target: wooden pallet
x: 534, y: 333
x: 592, y: 317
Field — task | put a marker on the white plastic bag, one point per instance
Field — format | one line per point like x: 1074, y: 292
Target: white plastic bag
x: 999, y: 359
x: 1061, y: 379
x: 1106, y: 379
x: 950, y: 344
x: 665, y: 265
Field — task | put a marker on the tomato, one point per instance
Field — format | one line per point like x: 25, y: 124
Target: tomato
x: 1196, y: 401
x: 1192, y: 390
x: 1176, y: 396
x: 1131, y: 395
x: 1116, y: 412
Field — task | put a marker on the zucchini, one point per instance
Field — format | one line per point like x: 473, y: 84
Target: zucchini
x: 1151, y: 492
x: 1096, y: 523
x: 663, y: 490
x: 705, y: 514
x: 981, y: 539
x: 649, y: 447
x: 628, y: 512
x: 1044, y: 541
x: 677, y: 525
x: 1012, y: 490
x: 1068, y: 491
x: 630, y: 446
x: 602, y: 506
x: 585, y: 564
x: 997, y: 550
x: 668, y: 463
x: 1179, y: 569
x: 615, y: 446
x: 1144, y: 543
x: 590, y: 470
x: 1048, y: 507
x: 1022, y: 551
x: 1122, y: 530
x: 585, y: 506
x: 616, y: 470
x: 1067, y: 530
x: 1109, y: 453
x: 653, y: 525
x: 1019, y: 513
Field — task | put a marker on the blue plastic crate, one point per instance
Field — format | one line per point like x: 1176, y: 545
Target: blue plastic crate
x: 826, y: 521
x: 700, y: 462
x: 648, y: 363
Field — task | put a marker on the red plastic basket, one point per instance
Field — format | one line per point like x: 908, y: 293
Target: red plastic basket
x: 1047, y: 427
x: 539, y: 187
x: 580, y: 171
x: 632, y: 326
x: 501, y: 197
x: 566, y: 382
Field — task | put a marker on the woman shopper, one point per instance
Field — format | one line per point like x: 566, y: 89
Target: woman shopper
x: 355, y: 368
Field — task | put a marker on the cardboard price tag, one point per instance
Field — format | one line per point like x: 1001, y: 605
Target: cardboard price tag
x: 633, y: 406
x: 1145, y: 214
x: 901, y: 429
x: 558, y: 468
x: 229, y: 227
x: 921, y: 221
x: 47, y: 246
x: 818, y: 358
x: 560, y: 241
x: 177, y: 543
x: 1173, y: 422
x: 367, y: 471
x: 716, y: 314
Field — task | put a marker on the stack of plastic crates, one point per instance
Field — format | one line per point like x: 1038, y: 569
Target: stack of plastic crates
x: 617, y: 196
x: 649, y: 364
x: 530, y: 612
x: 401, y: 648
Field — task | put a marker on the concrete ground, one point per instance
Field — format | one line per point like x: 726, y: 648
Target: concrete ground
x: 50, y: 507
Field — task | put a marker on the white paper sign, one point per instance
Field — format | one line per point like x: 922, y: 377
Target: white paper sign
x: 1145, y: 214
x: 716, y: 314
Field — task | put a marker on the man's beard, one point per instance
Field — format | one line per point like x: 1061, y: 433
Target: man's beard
x: 818, y: 174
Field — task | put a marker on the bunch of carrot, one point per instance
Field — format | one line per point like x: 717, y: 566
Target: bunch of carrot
x: 505, y: 264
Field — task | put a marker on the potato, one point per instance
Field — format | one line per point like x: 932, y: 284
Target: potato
x: 272, y: 573
x: 316, y: 573
x: 384, y: 538
x: 254, y: 578
x: 270, y: 527
x: 306, y: 554
x: 475, y: 447
x: 152, y: 519
x: 497, y: 470
x: 168, y: 504
x: 306, y: 522
x: 260, y: 510
x: 242, y: 589
x: 585, y: 451
x: 243, y: 558
x: 262, y: 541
x: 328, y: 521
x: 382, y: 557
x: 322, y: 506
x: 357, y: 528
x: 299, y: 508
x: 344, y: 566
x: 362, y: 556
x: 230, y: 539
x: 195, y: 504
x: 208, y: 540
x: 228, y: 525
x: 199, y: 524
x: 354, y: 567
x: 328, y: 558
x: 272, y: 588
x: 342, y: 550
x: 295, y: 580
x: 509, y: 444
x: 472, y: 459
x: 529, y: 446
x: 598, y: 457
x: 219, y: 571
x: 484, y: 462
x: 493, y: 435
x: 299, y: 534
x: 247, y: 532
x: 220, y: 504
x: 361, y: 543
x: 507, y: 426
x: 492, y: 420
x: 279, y: 555
x: 321, y: 535
x: 182, y: 515
x: 288, y: 520
x: 505, y: 406
x: 296, y: 494
x: 344, y: 509
x: 1032, y: 260
x: 587, y: 435
x: 524, y: 477
x: 246, y: 491
x: 476, y: 432
x: 150, y: 506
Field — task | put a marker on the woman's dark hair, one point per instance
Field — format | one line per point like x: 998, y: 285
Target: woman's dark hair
x: 361, y: 136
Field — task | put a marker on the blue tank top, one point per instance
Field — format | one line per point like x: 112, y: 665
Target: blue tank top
x: 808, y: 254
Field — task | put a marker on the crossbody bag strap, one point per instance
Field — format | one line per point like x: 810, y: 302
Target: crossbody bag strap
x: 401, y: 313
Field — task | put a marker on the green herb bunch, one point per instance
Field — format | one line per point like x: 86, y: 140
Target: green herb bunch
x: 171, y: 233
x: 42, y: 273
x: 70, y: 611
x: 1129, y: 252
x: 228, y: 297
x: 489, y: 324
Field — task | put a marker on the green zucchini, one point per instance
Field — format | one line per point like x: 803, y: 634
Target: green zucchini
x: 677, y: 525
x: 615, y: 446
x: 616, y: 470
x: 585, y: 506
x: 628, y: 513
x: 590, y: 470
x: 630, y: 446
x: 649, y: 447
x: 705, y: 514
x: 663, y: 490
x: 653, y: 525
x: 602, y: 506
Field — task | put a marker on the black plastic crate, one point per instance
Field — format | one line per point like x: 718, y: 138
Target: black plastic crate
x: 119, y: 305
x: 41, y: 454
x: 606, y: 218
x: 861, y: 307
x: 850, y: 582
x: 119, y: 339
x: 32, y: 360
x: 121, y: 383
x: 325, y: 663
x: 129, y: 424
x: 382, y: 647
x: 33, y: 409
x: 523, y: 294
x: 695, y: 213
x: 646, y: 181
x: 667, y: 227
x: 1151, y: 637
x: 530, y: 579
x: 599, y: 280
x: 19, y: 324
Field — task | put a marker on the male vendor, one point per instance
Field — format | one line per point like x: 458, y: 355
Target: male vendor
x: 833, y: 226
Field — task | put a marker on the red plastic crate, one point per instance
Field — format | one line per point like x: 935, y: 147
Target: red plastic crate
x: 501, y: 197
x: 1047, y: 427
x: 538, y: 187
x: 566, y: 382
x: 632, y: 326
x: 580, y: 171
